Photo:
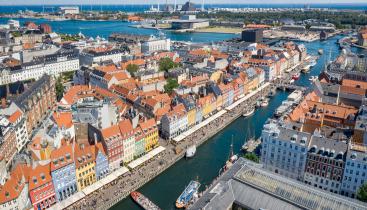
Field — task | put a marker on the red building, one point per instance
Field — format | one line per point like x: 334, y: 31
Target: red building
x: 31, y: 25
x: 41, y: 188
x: 45, y: 28
x: 8, y: 143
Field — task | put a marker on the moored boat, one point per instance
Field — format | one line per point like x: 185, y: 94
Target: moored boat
x: 264, y: 103
x: 320, y: 51
x: 295, y: 76
x: 249, y: 112
x: 190, y: 192
x: 190, y: 152
x: 306, y: 69
x: 143, y: 201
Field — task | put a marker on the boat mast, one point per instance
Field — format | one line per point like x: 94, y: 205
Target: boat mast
x: 231, y: 149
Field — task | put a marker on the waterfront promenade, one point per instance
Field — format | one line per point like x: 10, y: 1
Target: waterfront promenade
x: 110, y: 194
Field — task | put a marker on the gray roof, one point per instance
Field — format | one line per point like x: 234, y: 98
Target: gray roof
x: 250, y: 186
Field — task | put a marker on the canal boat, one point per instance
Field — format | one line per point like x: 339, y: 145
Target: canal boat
x: 312, y: 63
x: 306, y: 69
x: 245, y: 145
x: 295, y: 76
x: 190, y: 193
x: 282, y: 108
x: 249, y: 112
x: 264, y: 103
x: 143, y: 201
x: 320, y: 51
x: 190, y: 152
x: 312, y: 78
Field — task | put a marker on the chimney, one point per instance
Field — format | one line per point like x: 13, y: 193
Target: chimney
x: 3, y: 103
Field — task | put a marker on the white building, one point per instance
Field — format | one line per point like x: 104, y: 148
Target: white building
x: 89, y: 57
x: 355, y: 172
x: 69, y: 10
x: 50, y: 64
x: 17, y: 120
x: 284, y: 150
x: 155, y: 44
x: 174, y: 123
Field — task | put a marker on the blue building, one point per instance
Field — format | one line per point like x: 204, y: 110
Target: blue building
x: 63, y: 172
x: 102, y: 168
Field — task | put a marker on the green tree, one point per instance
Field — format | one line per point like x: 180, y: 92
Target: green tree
x: 171, y: 84
x: 362, y: 193
x: 132, y: 69
x: 59, y: 89
x: 166, y: 64
x: 252, y: 156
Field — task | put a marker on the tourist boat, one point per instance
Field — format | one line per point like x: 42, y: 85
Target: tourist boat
x: 143, y: 201
x: 258, y: 103
x: 306, y: 69
x: 264, y: 103
x: 190, y: 192
x: 312, y: 78
x: 320, y: 51
x: 282, y: 108
x: 313, y: 62
x: 249, y: 112
x: 190, y: 152
x: 272, y: 92
x: 295, y: 76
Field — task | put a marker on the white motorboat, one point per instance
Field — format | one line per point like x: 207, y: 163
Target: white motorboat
x: 190, y: 152
x: 264, y: 103
x: 249, y: 113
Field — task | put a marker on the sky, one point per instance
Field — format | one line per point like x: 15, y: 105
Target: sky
x: 63, y: 2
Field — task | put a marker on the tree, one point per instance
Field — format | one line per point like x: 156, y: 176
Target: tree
x: 171, y: 84
x: 132, y: 69
x: 59, y: 88
x: 362, y: 192
x: 166, y: 64
x: 252, y: 156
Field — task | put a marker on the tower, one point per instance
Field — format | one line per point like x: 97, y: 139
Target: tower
x: 202, y: 5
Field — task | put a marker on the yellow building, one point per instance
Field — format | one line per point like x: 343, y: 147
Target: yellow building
x: 219, y: 102
x: 191, y: 117
x: 212, y: 102
x: 150, y: 130
x: 204, y: 102
x: 84, y: 165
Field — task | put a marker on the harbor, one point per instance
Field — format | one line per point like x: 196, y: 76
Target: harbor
x: 172, y: 181
x: 161, y: 177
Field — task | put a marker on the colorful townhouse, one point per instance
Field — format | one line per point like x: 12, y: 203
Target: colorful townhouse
x: 84, y: 158
x: 139, y: 142
x: 63, y: 172
x: 150, y: 131
x: 238, y: 88
x: 112, y: 142
x: 128, y: 143
x: 174, y: 122
x: 205, y: 104
x: 41, y: 188
x: 102, y: 167
x: 227, y: 94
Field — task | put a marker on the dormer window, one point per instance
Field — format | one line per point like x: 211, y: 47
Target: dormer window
x: 43, y: 176
x: 34, y: 179
x: 353, y: 156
